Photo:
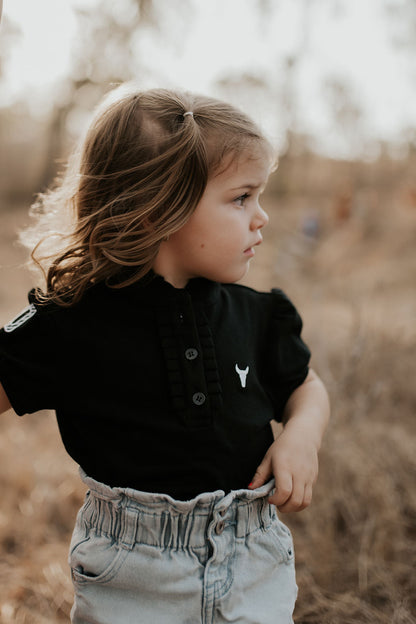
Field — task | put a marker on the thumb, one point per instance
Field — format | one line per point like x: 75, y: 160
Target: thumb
x: 262, y: 474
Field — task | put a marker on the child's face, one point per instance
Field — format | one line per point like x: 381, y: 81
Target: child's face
x: 218, y: 240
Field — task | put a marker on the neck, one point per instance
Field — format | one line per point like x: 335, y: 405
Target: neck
x: 164, y: 267
x: 175, y: 282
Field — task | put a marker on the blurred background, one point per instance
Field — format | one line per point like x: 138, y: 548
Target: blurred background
x: 333, y: 83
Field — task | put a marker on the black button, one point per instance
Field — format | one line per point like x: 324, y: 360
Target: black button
x: 191, y: 354
x: 199, y: 398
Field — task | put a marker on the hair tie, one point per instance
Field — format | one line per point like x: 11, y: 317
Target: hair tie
x: 188, y: 113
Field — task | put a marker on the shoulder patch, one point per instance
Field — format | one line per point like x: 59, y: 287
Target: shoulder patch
x: 21, y: 318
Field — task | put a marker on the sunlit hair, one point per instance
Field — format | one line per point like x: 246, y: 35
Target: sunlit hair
x: 136, y: 179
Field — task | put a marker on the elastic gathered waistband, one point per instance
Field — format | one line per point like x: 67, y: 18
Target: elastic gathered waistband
x: 130, y: 516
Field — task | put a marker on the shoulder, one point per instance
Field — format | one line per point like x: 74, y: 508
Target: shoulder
x: 97, y: 296
x: 274, y: 300
x: 31, y: 314
x: 241, y: 292
x: 43, y: 316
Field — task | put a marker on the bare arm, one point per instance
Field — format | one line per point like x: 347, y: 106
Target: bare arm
x: 293, y: 457
x: 4, y: 401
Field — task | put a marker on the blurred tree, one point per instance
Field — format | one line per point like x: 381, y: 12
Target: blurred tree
x: 10, y: 32
x: 345, y: 111
x: 9, y: 36
x: 105, y: 50
x: 105, y: 53
x: 401, y: 18
x: 295, y: 160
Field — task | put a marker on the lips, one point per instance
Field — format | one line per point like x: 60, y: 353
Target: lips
x: 251, y: 250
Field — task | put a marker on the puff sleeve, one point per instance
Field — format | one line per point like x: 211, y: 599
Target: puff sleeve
x: 30, y: 369
x: 288, y: 356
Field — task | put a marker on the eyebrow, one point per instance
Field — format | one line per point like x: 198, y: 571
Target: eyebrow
x: 249, y: 186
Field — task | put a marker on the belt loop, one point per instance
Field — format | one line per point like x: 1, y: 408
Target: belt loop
x: 128, y: 519
x: 269, y: 512
x: 263, y: 513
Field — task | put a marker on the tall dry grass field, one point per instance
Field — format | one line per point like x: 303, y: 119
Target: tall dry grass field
x: 356, y: 551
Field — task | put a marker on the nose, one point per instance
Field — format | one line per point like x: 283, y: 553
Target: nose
x: 260, y: 219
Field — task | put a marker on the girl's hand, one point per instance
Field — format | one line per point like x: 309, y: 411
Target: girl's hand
x: 293, y: 462
x: 293, y: 457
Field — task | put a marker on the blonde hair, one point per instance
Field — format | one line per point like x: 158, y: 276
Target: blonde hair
x: 138, y: 176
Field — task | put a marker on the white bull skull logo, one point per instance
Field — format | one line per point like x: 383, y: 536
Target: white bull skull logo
x: 242, y: 374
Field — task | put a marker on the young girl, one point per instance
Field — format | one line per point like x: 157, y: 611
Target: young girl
x: 165, y: 375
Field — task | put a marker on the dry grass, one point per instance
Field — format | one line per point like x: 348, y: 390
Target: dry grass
x: 356, y: 548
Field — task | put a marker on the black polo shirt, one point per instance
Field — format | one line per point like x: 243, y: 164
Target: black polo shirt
x: 157, y: 388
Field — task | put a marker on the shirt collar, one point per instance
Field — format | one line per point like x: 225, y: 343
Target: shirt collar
x: 154, y: 288
x: 157, y: 288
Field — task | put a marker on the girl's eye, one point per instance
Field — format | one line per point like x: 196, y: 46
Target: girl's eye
x: 241, y: 200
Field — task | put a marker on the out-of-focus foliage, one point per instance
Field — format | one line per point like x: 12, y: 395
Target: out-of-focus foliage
x: 103, y: 54
x: 109, y: 49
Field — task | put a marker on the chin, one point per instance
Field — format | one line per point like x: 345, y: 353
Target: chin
x: 232, y: 278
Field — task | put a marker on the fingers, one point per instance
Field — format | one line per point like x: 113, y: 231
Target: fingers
x: 291, y: 496
x: 262, y: 474
x: 307, y: 499
x: 283, y: 489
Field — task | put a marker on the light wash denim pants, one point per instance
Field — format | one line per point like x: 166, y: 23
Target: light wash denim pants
x: 141, y: 558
